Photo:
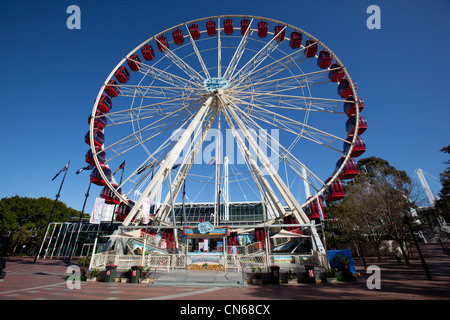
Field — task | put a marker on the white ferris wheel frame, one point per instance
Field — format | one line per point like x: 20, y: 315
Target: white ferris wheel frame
x: 228, y: 111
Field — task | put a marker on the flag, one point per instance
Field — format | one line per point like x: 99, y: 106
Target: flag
x: 175, y: 166
x: 88, y: 167
x: 66, y: 167
x: 122, y: 166
x: 146, y: 167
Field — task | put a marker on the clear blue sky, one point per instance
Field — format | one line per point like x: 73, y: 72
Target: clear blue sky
x: 50, y: 76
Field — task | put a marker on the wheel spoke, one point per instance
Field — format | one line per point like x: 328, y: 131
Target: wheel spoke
x: 238, y: 53
x: 254, y: 62
x: 292, y: 125
x: 180, y: 63
x: 199, y: 57
x: 165, y: 76
x: 277, y: 66
x: 156, y: 92
x: 291, y: 82
x: 286, y: 153
x: 160, y: 121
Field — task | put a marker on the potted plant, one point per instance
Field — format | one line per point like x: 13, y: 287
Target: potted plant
x: 144, y: 276
x: 291, y: 277
x: 330, y: 275
x: 93, y: 274
x: 126, y: 275
x: 341, y: 264
x: 256, y: 277
x: 83, y: 263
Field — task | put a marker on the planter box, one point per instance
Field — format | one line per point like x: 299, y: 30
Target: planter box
x: 332, y: 280
x: 292, y: 281
x: 75, y: 278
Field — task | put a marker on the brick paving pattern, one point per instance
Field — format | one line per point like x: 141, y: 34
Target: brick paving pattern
x: 45, y: 280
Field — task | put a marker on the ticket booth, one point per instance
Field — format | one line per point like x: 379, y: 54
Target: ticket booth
x: 206, y: 246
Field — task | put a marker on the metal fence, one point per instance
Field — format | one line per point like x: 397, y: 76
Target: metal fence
x: 243, y: 262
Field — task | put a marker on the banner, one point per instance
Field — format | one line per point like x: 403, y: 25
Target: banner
x: 205, y: 261
x: 107, y: 212
x: 96, y: 214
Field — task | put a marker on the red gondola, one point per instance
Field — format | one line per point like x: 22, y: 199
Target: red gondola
x: 163, y: 45
x: 311, y: 48
x: 296, y: 40
x: 168, y: 235
x: 177, y: 36
x: 232, y: 239
x: 262, y: 29
x: 316, y: 207
x: 96, y: 177
x: 104, y: 104
x: 260, y: 236
x: 336, y: 75
x: 350, y: 125
x: 345, y: 89
x: 349, y: 107
x: 99, y: 138
x: 358, y: 149
x: 100, y: 156
x: 335, y: 191
x: 100, y: 121
x: 133, y: 62
x: 122, y: 74
x: 245, y: 24
x: 193, y: 30
x: 228, y: 26
x: 350, y: 169
x: 109, y: 195
x: 211, y: 28
x: 147, y: 52
x: 325, y: 59
x: 279, y: 33
x: 123, y: 210
x: 291, y: 220
x: 111, y: 88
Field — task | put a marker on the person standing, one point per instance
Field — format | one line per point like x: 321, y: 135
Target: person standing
x: 234, y: 253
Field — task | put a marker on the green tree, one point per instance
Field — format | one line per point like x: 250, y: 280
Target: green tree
x: 443, y: 202
x: 375, y: 200
x: 23, y: 220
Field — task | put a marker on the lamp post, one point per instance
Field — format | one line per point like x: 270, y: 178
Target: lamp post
x: 424, y: 264
x: 65, y: 169
x: 356, y: 228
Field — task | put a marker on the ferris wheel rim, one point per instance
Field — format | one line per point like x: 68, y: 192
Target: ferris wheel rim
x: 123, y: 60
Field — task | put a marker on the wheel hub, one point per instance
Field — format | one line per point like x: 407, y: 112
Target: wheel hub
x: 213, y: 84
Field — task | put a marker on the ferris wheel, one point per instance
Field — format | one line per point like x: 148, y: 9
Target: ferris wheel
x: 242, y: 106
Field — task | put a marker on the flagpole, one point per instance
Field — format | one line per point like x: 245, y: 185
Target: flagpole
x: 115, y: 206
x: 175, y: 231
x: 51, y: 213
x: 184, y: 207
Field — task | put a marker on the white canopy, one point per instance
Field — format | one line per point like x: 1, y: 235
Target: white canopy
x: 131, y: 234
x: 288, y: 234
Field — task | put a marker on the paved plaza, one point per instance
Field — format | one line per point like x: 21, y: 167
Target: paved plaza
x: 45, y: 280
